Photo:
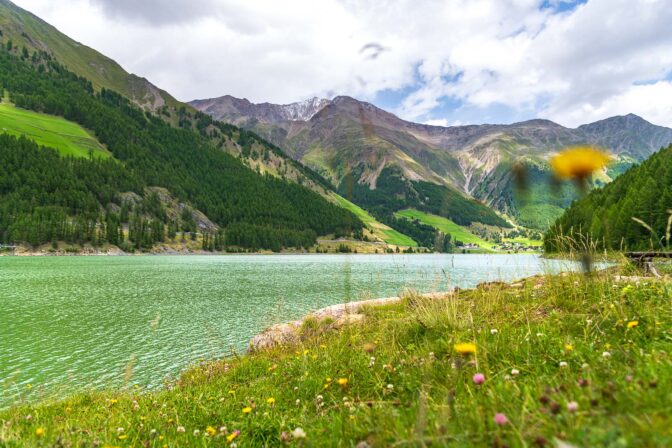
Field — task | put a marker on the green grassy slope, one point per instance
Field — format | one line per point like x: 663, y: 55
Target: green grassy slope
x: 26, y: 29
x: 559, y: 363
x: 382, y: 231
x: 68, y: 138
x: 445, y: 225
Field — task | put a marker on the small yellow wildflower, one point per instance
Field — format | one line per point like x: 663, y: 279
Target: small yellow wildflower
x: 39, y: 432
x: 247, y: 410
x: 579, y: 162
x: 123, y: 437
x: 232, y: 392
x: 569, y: 347
x: 633, y: 323
x: 232, y: 436
x: 211, y: 431
x: 29, y: 386
x: 465, y: 348
x: 342, y: 382
x: 270, y: 401
x: 328, y: 379
x: 114, y: 401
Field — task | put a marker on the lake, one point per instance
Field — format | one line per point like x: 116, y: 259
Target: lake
x: 73, y: 323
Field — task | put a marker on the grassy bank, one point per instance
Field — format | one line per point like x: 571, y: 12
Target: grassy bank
x: 585, y: 360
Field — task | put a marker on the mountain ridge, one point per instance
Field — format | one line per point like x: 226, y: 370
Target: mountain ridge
x: 347, y: 135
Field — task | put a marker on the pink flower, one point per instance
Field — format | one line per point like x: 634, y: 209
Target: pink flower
x: 501, y: 419
x: 479, y: 379
x: 572, y: 406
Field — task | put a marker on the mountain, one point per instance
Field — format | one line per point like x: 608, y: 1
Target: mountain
x: 606, y: 217
x: 347, y: 138
x: 234, y: 110
x: 111, y: 172
x: 24, y: 29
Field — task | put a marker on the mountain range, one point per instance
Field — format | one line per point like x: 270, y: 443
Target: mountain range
x: 344, y: 137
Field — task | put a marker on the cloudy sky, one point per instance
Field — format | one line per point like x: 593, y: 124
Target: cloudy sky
x: 443, y: 62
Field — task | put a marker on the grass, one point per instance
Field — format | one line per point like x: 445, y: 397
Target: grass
x: 380, y: 230
x: 67, y: 137
x: 560, y: 357
x: 445, y: 225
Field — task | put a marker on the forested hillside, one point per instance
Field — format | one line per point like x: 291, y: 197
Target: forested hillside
x: 51, y: 195
x: 610, y: 217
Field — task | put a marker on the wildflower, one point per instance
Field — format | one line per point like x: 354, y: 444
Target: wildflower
x: 222, y: 429
x: 372, y: 361
x: 478, y: 379
x: 210, y: 431
x: 120, y: 430
x: 633, y: 324
x: 494, y: 331
x: 181, y: 429
x: 390, y: 387
x: 114, y: 401
x: 247, y: 410
x: 270, y: 401
x: 515, y: 372
x: 196, y: 432
x: 152, y: 433
x: 232, y: 392
x: 500, y: 419
x: 569, y: 347
x: 39, y: 432
x: 606, y: 354
x: 299, y: 433
x: 343, y: 382
x: 465, y: 348
x: 572, y: 406
x: 232, y: 436
x: 123, y: 437
x: 628, y: 378
x: 29, y: 386
x: 563, y: 364
x: 298, y: 402
x: 584, y: 382
x: 273, y: 367
x: 578, y: 162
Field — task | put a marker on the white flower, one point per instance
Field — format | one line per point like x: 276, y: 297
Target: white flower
x: 222, y: 429
x: 298, y: 402
x: 196, y: 432
x: 120, y: 430
x: 390, y: 387
x: 584, y: 366
x: 181, y: 429
x: 540, y: 335
x: 494, y: 331
x: 152, y: 432
x: 563, y: 364
x: 515, y: 372
x: 606, y: 354
x: 299, y: 433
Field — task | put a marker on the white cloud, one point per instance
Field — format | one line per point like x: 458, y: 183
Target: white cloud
x: 438, y: 122
x: 573, y: 67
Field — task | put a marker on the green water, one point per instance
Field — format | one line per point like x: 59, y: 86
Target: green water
x: 73, y: 323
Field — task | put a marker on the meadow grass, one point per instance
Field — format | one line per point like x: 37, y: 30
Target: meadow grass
x: 578, y: 359
x: 67, y: 137
x: 446, y: 226
x: 380, y: 230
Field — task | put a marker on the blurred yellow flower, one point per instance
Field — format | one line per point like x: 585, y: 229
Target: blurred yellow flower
x: 633, y: 323
x: 569, y: 347
x: 578, y: 162
x: 270, y: 401
x: 211, y: 431
x: 232, y: 436
x: 343, y: 382
x: 247, y: 410
x: 465, y: 348
x: 39, y: 432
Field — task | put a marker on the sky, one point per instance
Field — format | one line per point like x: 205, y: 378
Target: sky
x: 447, y: 62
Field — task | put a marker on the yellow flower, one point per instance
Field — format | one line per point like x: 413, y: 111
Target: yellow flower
x: 232, y: 436
x: 39, y: 432
x: 123, y: 436
x: 465, y: 348
x: 113, y: 401
x: 232, y: 392
x: 342, y: 382
x: 247, y: 410
x: 270, y: 401
x: 578, y: 162
x: 633, y: 323
x: 569, y: 347
x: 211, y: 431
